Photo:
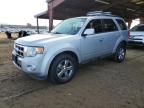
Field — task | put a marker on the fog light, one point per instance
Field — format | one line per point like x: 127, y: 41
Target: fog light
x: 31, y: 67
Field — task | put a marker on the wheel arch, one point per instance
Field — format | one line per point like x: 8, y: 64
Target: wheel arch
x: 72, y: 53
x: 124, y: 42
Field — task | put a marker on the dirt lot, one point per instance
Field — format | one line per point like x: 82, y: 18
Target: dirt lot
x: 101, y: 84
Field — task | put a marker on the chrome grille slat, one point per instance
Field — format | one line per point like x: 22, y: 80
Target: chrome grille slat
x: 19, y: 50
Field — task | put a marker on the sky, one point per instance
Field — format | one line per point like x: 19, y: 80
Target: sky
x: 135, y: 22
x: 21, y: 12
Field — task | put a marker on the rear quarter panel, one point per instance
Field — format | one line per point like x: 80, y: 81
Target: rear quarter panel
x: 123, y: 34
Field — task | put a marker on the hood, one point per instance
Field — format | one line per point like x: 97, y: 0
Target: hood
x: 39, y: 39
x: 135, y: 33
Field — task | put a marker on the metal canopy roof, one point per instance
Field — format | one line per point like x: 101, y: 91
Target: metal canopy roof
x: 62, y: 9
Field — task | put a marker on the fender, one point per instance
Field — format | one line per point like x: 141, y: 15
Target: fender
x: 53, y: 52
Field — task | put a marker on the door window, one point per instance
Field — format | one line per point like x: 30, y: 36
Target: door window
x: 96, y: 25
x: 121, y: 24
x: 109, y: 25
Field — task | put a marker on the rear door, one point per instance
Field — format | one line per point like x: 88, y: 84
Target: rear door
x: 110, y: 35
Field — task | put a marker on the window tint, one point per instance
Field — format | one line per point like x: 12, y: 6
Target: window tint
x: 70, y: 26
x: 96, y: 25
x: 138, y: 28
x: 122, y: 24
x: 109, y: 25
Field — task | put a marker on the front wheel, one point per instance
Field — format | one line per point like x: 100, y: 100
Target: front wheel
x: 120, y: 54
x: 63, y: 69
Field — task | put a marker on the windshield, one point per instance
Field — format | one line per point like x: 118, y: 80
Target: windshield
x: 69, y: 26
x: 138, y: 28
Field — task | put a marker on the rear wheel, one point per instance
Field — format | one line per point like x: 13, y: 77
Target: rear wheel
x: 63, y: 69
x: 119, y: 56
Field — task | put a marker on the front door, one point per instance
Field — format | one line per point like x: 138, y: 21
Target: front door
x: 91, y: 45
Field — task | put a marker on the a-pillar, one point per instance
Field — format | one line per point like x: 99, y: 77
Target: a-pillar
x: 129, y: 23
x: 50, y: 15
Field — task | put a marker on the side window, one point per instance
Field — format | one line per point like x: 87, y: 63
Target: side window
x: 121, y: 24
x: 96, y: 25
x: 109, y: 25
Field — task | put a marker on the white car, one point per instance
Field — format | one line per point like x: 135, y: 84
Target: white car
x: 137, y: 35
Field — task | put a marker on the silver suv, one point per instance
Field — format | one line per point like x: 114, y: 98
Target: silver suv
x: 74, y: 41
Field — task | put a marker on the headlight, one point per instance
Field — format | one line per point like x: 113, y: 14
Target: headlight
x: 32, y: 51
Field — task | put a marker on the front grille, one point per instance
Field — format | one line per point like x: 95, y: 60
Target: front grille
x: 19, y: 50
x: 16, y: 61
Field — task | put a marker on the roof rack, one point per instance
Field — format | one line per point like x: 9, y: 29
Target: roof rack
x: 99, y: 13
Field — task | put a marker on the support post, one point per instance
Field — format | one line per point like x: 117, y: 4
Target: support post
x: 37, y: 25
x: 50, y: 14
x: 142, y: 20
x: 129, y: 23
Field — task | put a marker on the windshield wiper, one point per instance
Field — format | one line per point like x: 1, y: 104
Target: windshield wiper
x: 57, y: 33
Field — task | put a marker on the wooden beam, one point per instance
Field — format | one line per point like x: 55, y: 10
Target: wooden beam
x: 129, y: 23
x: 55, y: 2
x: 142, y: 20
x: 50, y: 15
x: 71, y: 8
x: 115, y: 3
x: 51, y: 5
x: 37, y: 26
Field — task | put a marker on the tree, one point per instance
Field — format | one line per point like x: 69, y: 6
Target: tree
x: 29, y: 25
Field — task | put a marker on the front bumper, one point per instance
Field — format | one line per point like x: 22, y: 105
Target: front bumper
x: 135, y: 43
x: 30, y: 65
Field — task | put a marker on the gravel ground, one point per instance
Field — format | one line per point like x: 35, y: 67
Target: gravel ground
x: 100, y: 84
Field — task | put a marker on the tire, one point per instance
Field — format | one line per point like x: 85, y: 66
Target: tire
x: 63, y: 69
x: 120, y: 53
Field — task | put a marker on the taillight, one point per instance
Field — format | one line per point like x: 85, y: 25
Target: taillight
x: 129, y: 34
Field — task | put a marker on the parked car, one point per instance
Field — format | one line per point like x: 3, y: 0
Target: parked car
x: 31, y: 32
x: 24, y: 33
x: 137, y: 36
x: 75, y: 41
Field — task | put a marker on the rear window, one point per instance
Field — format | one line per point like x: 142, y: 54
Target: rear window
x: 121, y: 24
x: 138, y: 28
x: 109, y: 25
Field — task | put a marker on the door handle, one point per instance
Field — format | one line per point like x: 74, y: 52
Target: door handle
x: 101, y: 40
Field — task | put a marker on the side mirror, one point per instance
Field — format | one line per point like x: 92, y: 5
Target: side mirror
x: 89, y: 32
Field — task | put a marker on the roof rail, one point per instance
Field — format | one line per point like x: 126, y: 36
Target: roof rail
x: 99, y: 13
